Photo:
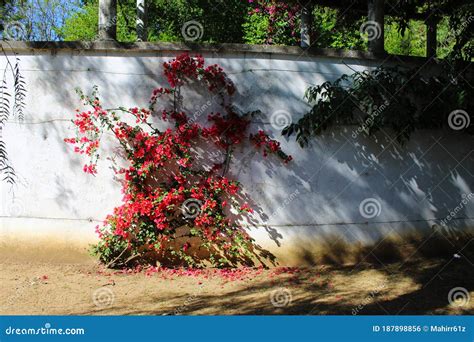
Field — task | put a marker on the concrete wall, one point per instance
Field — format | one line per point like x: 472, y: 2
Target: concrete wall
x: 312, y: 202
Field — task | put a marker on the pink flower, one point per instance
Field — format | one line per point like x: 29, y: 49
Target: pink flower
x: 91, y: 168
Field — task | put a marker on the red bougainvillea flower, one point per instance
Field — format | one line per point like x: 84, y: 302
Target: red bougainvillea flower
x: 167, y: 185
x: 91, y: 168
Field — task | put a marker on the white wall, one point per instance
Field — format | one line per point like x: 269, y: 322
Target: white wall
x: 310, y: 200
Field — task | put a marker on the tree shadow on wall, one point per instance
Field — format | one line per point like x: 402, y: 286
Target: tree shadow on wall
x: 425, y: 179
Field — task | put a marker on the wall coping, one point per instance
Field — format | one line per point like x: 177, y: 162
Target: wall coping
x: 160, y: 47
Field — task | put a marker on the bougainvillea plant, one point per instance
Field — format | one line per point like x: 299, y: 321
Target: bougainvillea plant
x: 177, y: 205
x: 283, y: 18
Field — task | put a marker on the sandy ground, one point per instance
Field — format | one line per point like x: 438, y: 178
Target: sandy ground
x: 420, y: 287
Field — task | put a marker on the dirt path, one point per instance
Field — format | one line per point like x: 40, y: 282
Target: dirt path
x: 84, y: 289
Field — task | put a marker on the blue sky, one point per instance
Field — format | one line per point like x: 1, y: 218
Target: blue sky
x: 38, y: 23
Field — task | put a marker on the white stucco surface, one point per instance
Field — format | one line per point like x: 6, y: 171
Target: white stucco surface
x: 313, y: 198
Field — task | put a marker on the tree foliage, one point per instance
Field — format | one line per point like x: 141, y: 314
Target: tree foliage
x: 221, y: 21
x: 335, y: 24
x: 37, y: 20
x: 12, y: 104
x: 389, y: 98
